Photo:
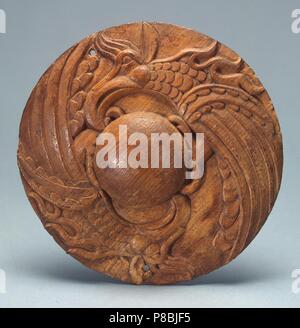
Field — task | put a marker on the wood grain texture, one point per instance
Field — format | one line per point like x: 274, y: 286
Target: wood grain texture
x: 150, y: 226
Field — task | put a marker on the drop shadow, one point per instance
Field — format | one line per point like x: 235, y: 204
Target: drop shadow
x: 68, y: 269
x: 234, y: 274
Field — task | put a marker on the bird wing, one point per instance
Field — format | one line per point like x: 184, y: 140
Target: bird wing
x: 246, y: 140
x: 45, y: 156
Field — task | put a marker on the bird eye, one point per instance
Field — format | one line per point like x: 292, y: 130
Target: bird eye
x: 127, y: 60
x: 92, y: 52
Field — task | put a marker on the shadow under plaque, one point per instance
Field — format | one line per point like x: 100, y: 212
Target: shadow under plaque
x: 62, y: 269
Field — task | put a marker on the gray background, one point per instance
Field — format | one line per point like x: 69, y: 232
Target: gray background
x: 38, y: 272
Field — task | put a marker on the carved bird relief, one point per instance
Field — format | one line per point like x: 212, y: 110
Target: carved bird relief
x: 142, y: 225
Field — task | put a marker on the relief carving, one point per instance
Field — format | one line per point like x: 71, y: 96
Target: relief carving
x: 150, y: 225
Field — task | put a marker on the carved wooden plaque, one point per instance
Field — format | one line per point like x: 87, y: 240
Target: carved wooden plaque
x: 150, y: 225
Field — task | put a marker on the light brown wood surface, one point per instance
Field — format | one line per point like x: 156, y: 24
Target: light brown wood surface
x: 150, y: 225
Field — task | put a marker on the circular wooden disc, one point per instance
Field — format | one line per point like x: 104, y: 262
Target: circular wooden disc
x: 150, y: 225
